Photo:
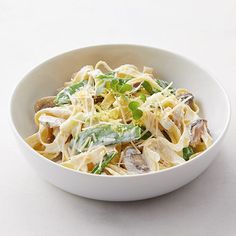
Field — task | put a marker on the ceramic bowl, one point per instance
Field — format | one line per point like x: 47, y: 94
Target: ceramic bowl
x: 50, y: 75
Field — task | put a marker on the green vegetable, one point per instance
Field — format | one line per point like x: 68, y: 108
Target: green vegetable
x: 137, y: 113
x: 164, y: 84
x: 113, y: 84
x: 146, y: 135
x: 161, y: 83
x: 106, y: 160
x: 143, y: 98
x: 148, y: 87
x: 117, y: 85
x: 101, y: 87
x: 63, y: 97
x: 107, y: 75
x: 133, y: 105
x: 106, y: 134
x: 125, y: 88
x: 187, y: 153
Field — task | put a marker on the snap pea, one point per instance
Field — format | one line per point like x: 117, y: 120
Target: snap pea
x: 63, y: 96
x: 106, y: 160
x: 106, y: 134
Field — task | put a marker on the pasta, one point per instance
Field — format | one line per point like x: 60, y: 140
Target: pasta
x: 119, y: 122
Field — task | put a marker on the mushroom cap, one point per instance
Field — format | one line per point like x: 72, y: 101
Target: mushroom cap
x: 44, y: 102
x: 198, y: 128
x: 133, y: 161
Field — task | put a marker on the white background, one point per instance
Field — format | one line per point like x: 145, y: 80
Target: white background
x: 33, y: 31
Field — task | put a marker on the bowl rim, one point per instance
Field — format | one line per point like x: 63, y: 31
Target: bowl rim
x: 211, y: 75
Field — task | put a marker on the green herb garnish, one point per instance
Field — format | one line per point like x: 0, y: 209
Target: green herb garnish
x: 143, y: 98
x: 117, y: 85
x: 133, y: 105
x: 124, y: 88
x: 137, y: 113
x: 187, y: 153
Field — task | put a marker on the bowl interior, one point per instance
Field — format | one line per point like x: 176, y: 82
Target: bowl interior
x: 50, y: 75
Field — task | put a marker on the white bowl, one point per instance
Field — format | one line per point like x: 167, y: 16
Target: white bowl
x: 50, y: 75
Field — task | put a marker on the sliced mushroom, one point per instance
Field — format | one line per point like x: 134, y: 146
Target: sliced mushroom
x: 198, y: 128
x: 134, y: 161
x: 44, y: 102
x: 97, y: 99
x: 136, y: 85
x: 190, y: 101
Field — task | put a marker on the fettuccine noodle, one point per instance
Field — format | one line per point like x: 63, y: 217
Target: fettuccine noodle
x: 119, y: 122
